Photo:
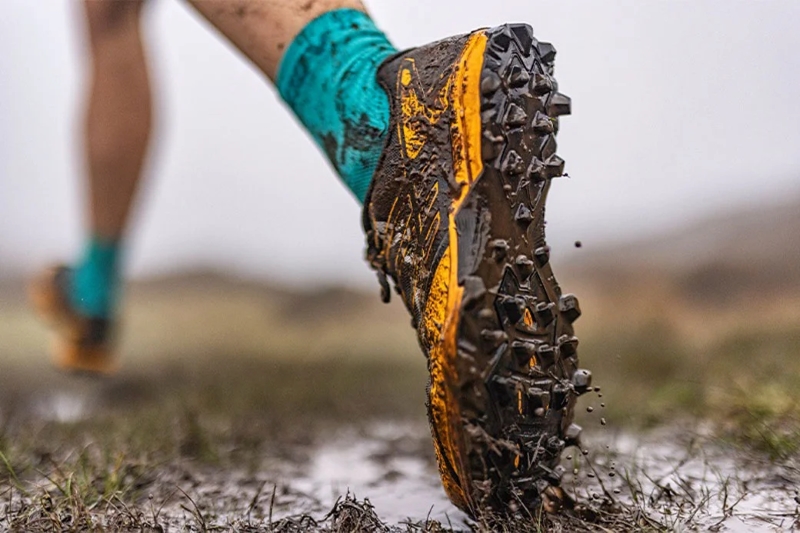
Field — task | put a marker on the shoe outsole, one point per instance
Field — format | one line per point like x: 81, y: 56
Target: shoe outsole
x: 517, y: 352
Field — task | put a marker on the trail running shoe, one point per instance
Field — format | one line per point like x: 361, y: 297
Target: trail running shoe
x: 81, y: 344
x: 455, y: 218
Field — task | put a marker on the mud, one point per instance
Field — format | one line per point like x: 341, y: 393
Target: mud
x: 677, y: 477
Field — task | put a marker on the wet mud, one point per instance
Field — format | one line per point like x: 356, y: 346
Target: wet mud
x: 672, y: 478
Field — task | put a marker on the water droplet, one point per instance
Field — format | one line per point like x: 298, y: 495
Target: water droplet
x: 612, y: 474
x: 574, y: 471
x: 617, y: 491
x: 589, y: 409
x: 585, y: 452
x: 569, y: 457
x: 590, y: 474
x: 602, y: 421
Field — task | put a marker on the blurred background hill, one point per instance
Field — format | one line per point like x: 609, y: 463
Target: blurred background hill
x: 679, y: 110
x: 699, y: 321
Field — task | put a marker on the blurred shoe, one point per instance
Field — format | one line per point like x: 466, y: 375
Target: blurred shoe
x: 81, y: 344
x: 455, y: 218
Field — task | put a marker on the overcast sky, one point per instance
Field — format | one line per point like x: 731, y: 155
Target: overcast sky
x: 679, y: 108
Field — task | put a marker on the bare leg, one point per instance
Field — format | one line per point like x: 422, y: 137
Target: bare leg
x: 118, y: 117
x: 262, y: 29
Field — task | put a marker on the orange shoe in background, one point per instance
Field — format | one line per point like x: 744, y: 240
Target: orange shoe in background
x: 80, y: 344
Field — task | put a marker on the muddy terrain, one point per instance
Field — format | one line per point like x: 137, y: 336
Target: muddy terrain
x: 243, y: 406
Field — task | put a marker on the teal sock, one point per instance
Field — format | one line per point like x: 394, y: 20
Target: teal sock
x: 95, y: 279
x: 328, y: 78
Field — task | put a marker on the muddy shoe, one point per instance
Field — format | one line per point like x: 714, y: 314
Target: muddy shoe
x: 455, y: 218
x: 81, y: 344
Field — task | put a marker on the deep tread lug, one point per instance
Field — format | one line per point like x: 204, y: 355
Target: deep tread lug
x: 502, y: 40
x: 524, y: 265
x: 499, y: 249
x: 560, y: 104
x: 512, y: 164
x: 542, y: 84
x: 581, y: 380
x: 542, y: 124
x: 490, y: 83
x: 515, y: 116
x: 542, y: 255
x: 569, y: 307
x: 523, y: 351
x: 536, y: 171
x: 544, y: 313
x: 568, y: 345
x: 554, y: 166
x: 547, y: 52
x: 524, y: 35
x: 523, y: 214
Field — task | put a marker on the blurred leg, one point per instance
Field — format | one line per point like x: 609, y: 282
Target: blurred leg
x: 263, y: 29
x: 118, y: 117
x: 81, y: 301
x: 323, y: 56
x: 118, y: 121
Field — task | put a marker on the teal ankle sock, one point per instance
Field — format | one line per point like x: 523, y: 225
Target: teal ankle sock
x: 328, y: 78
x: 95, y: 279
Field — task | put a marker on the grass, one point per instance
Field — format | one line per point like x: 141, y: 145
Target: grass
x: 206, y: 451
x: 749, y: 384
x: 196, y: 433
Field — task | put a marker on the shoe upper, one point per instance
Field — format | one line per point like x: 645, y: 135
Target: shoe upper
x: 431, y: 160
x: 407, y: 208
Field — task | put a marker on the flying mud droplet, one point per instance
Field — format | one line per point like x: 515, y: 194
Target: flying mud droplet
x: 578, y: 244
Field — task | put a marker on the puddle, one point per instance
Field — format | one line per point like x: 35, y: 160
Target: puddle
x: 64, y: 407
x: 679, y: 481
x: 683, y: 479
x: 382, y: 464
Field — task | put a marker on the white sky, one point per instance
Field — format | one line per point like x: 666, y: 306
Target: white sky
x: 679, y: 108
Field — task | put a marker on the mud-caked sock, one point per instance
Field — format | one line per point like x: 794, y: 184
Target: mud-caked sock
x: 328, y: 78
x: 95, y: 279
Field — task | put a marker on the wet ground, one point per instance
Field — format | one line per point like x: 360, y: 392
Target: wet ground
x: 672, y: 478
x: 228, y: 415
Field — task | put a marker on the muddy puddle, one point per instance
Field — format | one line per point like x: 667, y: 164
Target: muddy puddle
x: 676, y: 478
x: 678, y: 482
